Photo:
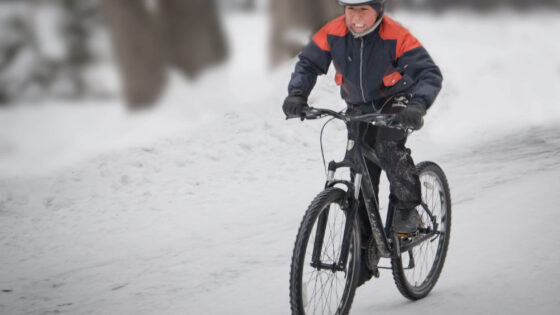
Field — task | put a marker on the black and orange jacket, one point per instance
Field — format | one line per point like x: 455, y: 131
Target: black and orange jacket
x: 371, y: 68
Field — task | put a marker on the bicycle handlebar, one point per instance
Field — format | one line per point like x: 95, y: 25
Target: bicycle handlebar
x: 383, y: 120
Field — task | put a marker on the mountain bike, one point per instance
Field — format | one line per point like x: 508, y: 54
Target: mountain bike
x: 330, y: 255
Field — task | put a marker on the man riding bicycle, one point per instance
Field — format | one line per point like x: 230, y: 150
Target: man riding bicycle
x: 380, y: 67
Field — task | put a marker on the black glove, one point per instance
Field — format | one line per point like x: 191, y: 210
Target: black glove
x: 411, y: 115
x: 295, y: 104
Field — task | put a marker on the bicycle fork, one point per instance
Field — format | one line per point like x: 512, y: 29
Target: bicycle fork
x: 350, y: 209
x: 345, y: 245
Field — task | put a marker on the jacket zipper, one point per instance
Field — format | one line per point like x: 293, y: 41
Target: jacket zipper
x: 361, y: 70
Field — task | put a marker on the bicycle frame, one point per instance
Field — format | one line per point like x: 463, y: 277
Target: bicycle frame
x: 386, y: 242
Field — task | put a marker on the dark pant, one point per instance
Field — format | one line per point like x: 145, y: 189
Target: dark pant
x: 400, y: 169
x: 396, y: 162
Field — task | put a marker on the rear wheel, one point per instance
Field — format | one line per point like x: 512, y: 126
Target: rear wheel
x: 319, y: 287
x: 416, y: 271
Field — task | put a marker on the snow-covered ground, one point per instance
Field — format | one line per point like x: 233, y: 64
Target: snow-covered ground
x: 193, y: 208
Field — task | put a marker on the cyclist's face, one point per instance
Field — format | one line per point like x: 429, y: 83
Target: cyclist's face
x: 360, y: 18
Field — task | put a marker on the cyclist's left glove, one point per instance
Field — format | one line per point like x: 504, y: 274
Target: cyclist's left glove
x: 412, y: 116
x: 295, y: 104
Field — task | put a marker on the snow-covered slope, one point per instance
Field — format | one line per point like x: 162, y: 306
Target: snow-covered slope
x: 193, y: 208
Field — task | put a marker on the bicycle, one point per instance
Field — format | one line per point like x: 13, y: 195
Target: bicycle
x: 327, y: 258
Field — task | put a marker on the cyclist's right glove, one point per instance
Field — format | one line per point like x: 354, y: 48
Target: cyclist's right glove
x: 295, y: 104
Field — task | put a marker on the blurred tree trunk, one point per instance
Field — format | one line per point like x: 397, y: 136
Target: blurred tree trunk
x: 294, y: 21
x: 185, y: 34
x: 440, y: 5
x: 483, y: 5
x: 137, y: 50
x: 394, y: 4
x: 248, y: 5
x: 194, y: 39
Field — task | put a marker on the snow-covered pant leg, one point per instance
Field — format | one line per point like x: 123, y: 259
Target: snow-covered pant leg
x: 397, y: 163
x: 400, y: 169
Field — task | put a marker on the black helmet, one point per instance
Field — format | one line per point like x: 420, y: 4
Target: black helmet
x: 377, y: 5
x: 360, y: 2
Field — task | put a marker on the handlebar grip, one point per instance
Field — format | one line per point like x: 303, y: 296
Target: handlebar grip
x: 292, y: 117
x: 308, y: 113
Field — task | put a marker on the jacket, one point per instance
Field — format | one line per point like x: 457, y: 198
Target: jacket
x: 371, y: 68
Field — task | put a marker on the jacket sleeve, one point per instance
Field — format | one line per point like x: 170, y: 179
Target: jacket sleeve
x: 426, y: 75
x: 313, y: 61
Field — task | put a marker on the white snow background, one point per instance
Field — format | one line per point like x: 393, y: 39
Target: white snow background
x: 193, y: 208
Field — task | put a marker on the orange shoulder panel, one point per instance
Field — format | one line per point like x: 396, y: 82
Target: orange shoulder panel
x: 391, y: 30
x: 335, y: 27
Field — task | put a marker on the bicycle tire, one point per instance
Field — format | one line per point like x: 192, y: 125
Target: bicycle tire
x: 408, y: 280
x: 303, y: 301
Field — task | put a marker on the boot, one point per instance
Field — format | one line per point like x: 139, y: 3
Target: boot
x: 406, y: 221
x: 365, y: 274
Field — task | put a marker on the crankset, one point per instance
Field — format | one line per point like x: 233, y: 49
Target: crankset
x: 372, y: 258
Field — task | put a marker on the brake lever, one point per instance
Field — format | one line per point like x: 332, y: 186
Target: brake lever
x: 311, y: 113
x: 391, y: 123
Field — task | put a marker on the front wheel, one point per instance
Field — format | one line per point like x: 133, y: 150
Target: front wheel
x: 317, y: 284
x: 416, y: 271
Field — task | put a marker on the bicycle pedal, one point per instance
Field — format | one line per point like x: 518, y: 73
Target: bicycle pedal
x: 407, y: 235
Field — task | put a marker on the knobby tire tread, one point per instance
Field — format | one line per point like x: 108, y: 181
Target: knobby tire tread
x: 327, y: 196
x: 396, y: 264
